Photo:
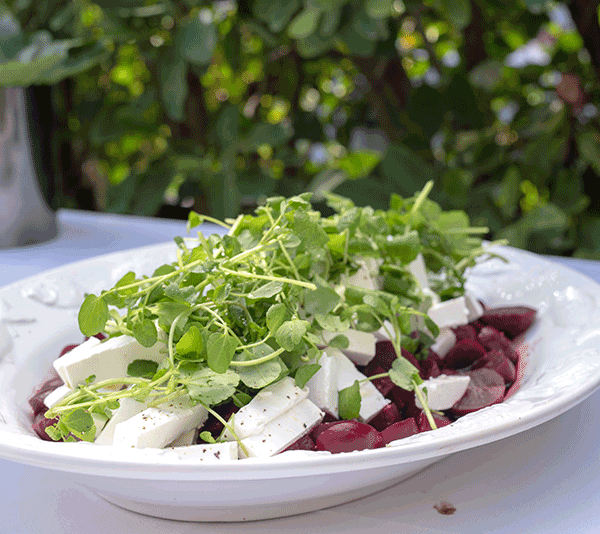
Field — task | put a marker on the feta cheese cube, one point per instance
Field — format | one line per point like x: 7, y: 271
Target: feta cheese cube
x: 475, y: 309
x: 452, y: 312
x: 361, y: 278
x: 157, y: 427
x: 372, y: 401
x: 186, y: 439
x: 444, y: 391
x: 209, y: 452
x: 361, y: 345
x: 105, y: 360
x: 128, y: 407
x: 282, y: 431
x: 57, y: 395
x: 268, y: 404
x: 444, y: 342
x: 322, y: 386
x: 419, y: 271
x: 99, y: 423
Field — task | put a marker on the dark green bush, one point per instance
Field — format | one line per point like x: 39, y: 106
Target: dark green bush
x: 217, y: 105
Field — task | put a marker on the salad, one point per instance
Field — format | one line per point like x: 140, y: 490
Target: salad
x: 293, y: 330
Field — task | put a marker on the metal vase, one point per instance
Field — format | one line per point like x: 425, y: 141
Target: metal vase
x: 25, y: 218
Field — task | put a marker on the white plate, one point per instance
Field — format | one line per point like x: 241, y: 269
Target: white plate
x: 38, y: 317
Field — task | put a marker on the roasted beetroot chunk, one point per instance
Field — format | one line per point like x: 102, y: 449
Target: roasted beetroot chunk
x: 305, y: 443
x: 40, y: 424
x: 493, y: 339
x: 485, y: 388
x: 499, y: 362
x: 388, y: 415
x: 512, y: 320
x: 36, y: 401
x: 440, y: 421
x: 464, y: 353
x: 400, y: 430
x: 348, y: 436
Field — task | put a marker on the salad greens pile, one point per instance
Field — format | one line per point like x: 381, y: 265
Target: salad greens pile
x: 240, y: 311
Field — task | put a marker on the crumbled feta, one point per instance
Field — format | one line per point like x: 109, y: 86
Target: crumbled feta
x: 444, y: 391
x: 105, y: 360
x: 209, y: 452
x: 268, y: 404
x: 322, y: 386
x: 372, y: 401
x: 444, y: 342
x: 186, y: 439
x: 157, y: 427
x: 361, y: 345
x: 282, y: 431
x: 452, y: 312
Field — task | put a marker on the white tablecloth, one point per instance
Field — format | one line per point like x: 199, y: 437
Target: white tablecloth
x: 545, y: 480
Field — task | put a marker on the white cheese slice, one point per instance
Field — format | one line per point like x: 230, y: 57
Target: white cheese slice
x: 209, y: 452
x: 57, y: 395
x: 419, y: 271
x: 444, y: 391
x: 372, y: 401
x: 157, y: 427
x: 361, y: 345
x: 267, y: 405
x: 452, y: 312
x: 444, y: 342
x: 105, y: 360
x: 322, y: 386
x: 186, y: 439
x: 282, y: 431
x: 128, y: 407
x: 475, y: 309
x: 99, y: 422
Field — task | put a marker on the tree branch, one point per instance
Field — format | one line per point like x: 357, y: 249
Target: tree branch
x: 585, y: 16
x: 473, y: 35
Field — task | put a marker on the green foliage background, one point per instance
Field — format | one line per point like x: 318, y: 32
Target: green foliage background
x: 217, y: 105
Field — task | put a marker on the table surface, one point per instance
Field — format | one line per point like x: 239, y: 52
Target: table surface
x: 545, y: 480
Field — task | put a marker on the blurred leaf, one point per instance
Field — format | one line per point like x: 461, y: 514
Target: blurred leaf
x: 173, y: 83
x: 487, y: 74
x: 227, y: 126
x: 379, y: 9
x: 358, y: 164
x: 506, y: 194
x: 458, y: 12
x: 589, y: 147
x: 197, y: 41
x: 275, y: 14
x: 265, y: 134
x: 304, y: 24
x: 402, y: 167
x: 313, y: 45
x: 457, y: 183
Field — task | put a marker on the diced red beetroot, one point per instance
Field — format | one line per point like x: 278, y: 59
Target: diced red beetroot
x: 513, y: 320
x: 213, y: 425
x: 465, y: 331
x: 430, y: 366
x: 464, y: 353
x: 400, y: 430
x: 521, y: 352
x: 384, y: 385
x: 36, y: 401
x: 305, y: 443
x: 348, y: 436
x: 384, y: 356
x: 68, y: 348
x: 499, y: 362
x: 40, y: 423
x: 388, y: 415
x: 493, y: 339
x: 485, y: 388
x: 321, y: 427
x: 440, y: 421
x: 405, y: 400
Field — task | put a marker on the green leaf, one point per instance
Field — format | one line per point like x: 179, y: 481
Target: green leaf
x: 310, y: 232
x: 80, y: 423
x: 304, y: 24
x: 227, y: 126
x: 275, y: 317
x: 403, y: 247
x: 145, y: 332
x: 266, y: 291
x: 290, y: 333
x: 321, y: 300
x: 305, y: 373
x: 220, y: 349
x: 340, y: 342
x: 273, y: 135
x: 142, y: 368
x: 191, y: 344
x: 207, y: 437
x: 93, y: 315
x: 379, y: 9
x: 173, y: 83
x: 197, y: 41
x: 405, y: 170
x: 209, y: 387
x: 261, y: 375
x: 332, y: 323
x: 404, y: 374
x: 349, y: 401
x: 275, y: 14
x: 458, y: 11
